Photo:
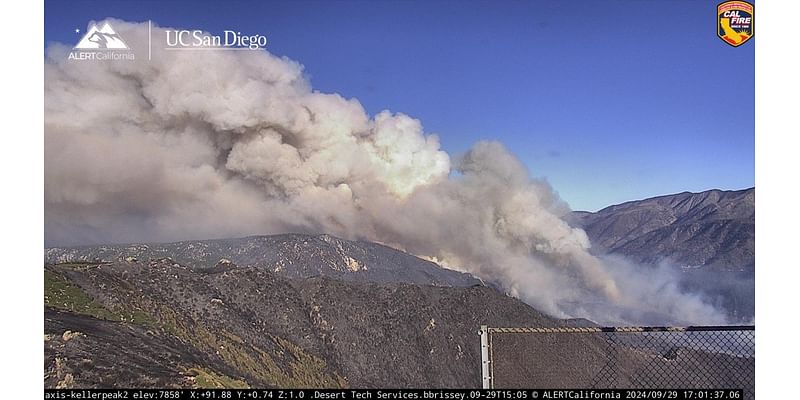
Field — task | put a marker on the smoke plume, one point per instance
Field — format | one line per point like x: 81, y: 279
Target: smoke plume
x: 210, y: 144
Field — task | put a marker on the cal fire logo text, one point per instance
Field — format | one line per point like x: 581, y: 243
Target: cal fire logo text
x: 735, y: 22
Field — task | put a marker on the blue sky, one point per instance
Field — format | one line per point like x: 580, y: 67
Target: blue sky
x: 608, y: 100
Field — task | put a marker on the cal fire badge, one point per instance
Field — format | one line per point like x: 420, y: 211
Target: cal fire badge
x: 735, y: 22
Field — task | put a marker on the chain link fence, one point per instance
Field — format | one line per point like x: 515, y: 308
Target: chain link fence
x: 701, y: 357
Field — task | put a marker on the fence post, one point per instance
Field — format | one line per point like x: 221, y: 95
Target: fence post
x: 486, y: 377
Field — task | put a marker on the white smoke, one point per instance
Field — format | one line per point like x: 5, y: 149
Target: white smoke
x: 222, y: 144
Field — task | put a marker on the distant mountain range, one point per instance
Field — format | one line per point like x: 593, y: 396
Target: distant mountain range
x: 714, y: 229
x: 709, y: 236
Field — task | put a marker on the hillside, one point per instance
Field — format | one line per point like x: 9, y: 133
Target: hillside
x: 161, y: 324
x: 713, y: 229
x: 298, y: 310
x: 290, y: 255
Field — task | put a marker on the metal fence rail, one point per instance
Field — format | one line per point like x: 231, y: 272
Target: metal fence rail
x: 707, y: 357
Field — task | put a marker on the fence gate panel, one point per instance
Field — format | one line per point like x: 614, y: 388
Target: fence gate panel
x: 699, y: 357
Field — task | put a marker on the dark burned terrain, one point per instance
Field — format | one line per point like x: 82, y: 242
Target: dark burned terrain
x: 162, y: 324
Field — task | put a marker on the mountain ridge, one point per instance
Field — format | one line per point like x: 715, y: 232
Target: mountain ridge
x: 291, y: 255
x: 714, y: 228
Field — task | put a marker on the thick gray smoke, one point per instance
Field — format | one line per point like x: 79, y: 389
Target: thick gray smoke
x: 222, y: 144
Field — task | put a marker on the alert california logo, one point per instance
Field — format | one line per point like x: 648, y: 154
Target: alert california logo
x: 735, y: 22
x: 101, y: 43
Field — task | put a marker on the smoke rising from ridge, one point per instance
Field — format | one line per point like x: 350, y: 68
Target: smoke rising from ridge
x: 222, y: 144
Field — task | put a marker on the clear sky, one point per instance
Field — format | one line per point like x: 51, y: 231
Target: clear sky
x: 608, y: 100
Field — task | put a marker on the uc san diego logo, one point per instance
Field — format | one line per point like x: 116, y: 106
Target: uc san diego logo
x: 735, y: 22
x: 102, y: 43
